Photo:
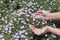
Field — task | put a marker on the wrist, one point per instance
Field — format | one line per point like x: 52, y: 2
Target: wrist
x: 51, y: 16
x: 47, y: 29
x: 50, y: 28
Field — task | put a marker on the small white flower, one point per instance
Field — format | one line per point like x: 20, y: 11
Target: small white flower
x: 3, y: 31
x: 54, y: 25
x: 15, y: 39
x: 13, y: 1
x: 58, y: 8
x: 15, y: 19
x: 35, y: 3
x: 11, y: 21
x: 33, y: 23
x: 29, y: 12
x: 47, y: 0
x: 27, y: 19
x: 0, y: 15
x: 10, y: 1
x: 20, y: 5
x: 1, y: 2
x: 43, y: 23
x: 9, y: 31
x: 33, y: 19
x: 38, y: 5
x: 10, y: 24
x: 53, y: 35
x: 23, y: 36
x: 26, y: 38
x: 6, y: 28
x: 31, y: 37
x: 17, y: 36
x: 44, y: 2
x: 51, y: 3
x: 32, y: 10
x: 5, y: 17
x: 33, y: 0
x: 27, y: 15
x: 7, y: 25
x: 26, y: 11
x: 24, y: 2
x: 25, y: 23
x: 20, y: 32
x: 2, y: 39
x: 39, y: 22
x: 35, y: 8
x: 47, y: 39
x: 14, y: 36
x: 22, y: 21
x: 6, y: 31
x: 2, y: 18
x: 26, y: 33
x: 23, y: 31
x: 1, y: 36
x: 54, y: 0
x: 22, y: 27
x: 46, y: 35
x: 0, y: 26
x: 11, y: 9
x: 32, y: 6
x: 21, y: 13
x: 6, y: 21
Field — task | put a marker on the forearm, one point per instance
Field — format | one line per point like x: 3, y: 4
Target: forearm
x: 54, y: 30
x: 55, y: 15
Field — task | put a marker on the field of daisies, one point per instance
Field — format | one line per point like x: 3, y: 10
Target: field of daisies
x: 15, y: 17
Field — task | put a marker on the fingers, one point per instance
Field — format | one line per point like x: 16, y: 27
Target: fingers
x: 41, y: 12
x: 44, y: 30
x: 38, y: 31
x: 35, y: 30
x: 32, y: 27
x: 38, y: 12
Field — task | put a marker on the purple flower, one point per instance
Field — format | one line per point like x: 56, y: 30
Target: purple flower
x: 30, y: 3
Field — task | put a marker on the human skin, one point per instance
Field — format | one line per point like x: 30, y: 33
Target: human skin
x: 47, y: 16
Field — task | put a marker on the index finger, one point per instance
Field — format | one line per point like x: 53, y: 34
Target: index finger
x: 38, y: 12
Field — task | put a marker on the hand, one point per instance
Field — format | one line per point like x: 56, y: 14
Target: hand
x: 47, y: 15
x: 38, y: 31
